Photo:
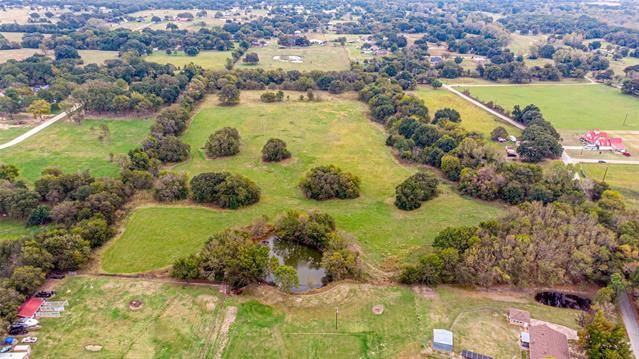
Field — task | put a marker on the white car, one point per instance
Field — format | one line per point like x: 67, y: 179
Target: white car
x: 30, y: 339
x: 29, y: 322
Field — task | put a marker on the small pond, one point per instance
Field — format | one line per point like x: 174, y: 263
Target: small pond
x: 306, y: 260
x: 563, y: 300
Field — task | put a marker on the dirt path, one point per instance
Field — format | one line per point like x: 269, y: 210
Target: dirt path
x: 223, y: 337
x: 37, y: 129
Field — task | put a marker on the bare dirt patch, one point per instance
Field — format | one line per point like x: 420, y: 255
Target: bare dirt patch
x: 424, y: 291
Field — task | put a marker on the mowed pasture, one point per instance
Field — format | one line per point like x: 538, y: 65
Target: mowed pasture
x: 214, y: 60
x: 569, y: 107
x: 334, y: 131
x: 11, y: 229
x: 72, y: 147
x: 280, y: 326
x: 173, y: 321
x: 17, y: 54
x: 622, y: 178
x: 521, y: 44
x: 88, y: 56
x: 328, y: 57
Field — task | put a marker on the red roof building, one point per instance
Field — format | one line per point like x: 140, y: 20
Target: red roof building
x: 29, y: 308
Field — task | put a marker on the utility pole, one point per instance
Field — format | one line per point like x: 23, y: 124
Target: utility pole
x: 605, y: 173
x: 625, y: 119
x: 336, y: 312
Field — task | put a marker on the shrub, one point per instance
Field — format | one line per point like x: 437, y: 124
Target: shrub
x: 39, y: 216
x: 137, y: 179
x: 286, y: 277
x: 326, y: 182
x: 270, y: 97
x: 27, y: 279
x: 498, y: 132
x: 417, y: 188
x: 95, y: 230
x: 275, y: 150
x: 339, y: 262
x: 186, y: 268
x: 224, y: 142
x: 447, y: 114
x: 229, y: 95
x: 171, y: 187
x: 451, y: 167
x: 224, y: 189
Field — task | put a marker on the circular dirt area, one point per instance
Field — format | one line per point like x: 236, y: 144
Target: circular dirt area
x: 378, y: 309
x: 135, y: 304
x: 93, y: 348
x: 289, y: 58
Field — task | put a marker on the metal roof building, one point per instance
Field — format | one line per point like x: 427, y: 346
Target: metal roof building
x: 443, y: 340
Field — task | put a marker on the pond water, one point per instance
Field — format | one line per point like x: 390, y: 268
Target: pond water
x: 563, y: 300
x: 306, y: 260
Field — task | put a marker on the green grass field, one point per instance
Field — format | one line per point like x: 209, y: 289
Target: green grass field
x: 73, y: 147
x: 17, y: 54
x: 326, y: 58
x: 214, y: 60
x: 473, y: 117
x: 11, y: 229
x: 622, y: 178
x: 293, y: 327
x: 334, y: 131
x: 97, y: 56
x: 569, y: 107
x: 520, y: 44
x: 173, y: 322
x: 13, y: 132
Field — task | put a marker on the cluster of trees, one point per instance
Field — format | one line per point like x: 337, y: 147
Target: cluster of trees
x: 416, y: 189
x: 223, y: 143
x: 540, y: 140
x: 224, y: 189
x: 275, y: 150
x: 238, y: 258
x: 327, y: 182
x: 578, y: 243
x: 270, y: 97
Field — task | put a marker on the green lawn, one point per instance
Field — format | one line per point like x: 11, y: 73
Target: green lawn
x: 73, y: 147
x: 214, y: 60
x: 296, y: 327
x: 11, y: 229
x: 327, y: 58
x: 334, y: 131
x: 569, y: 107
x: 520, y: 44
x: 173, y: 322
x: 97, y: 56
x: 9, y: 134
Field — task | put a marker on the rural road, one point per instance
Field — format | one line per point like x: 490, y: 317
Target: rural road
x: 630, y: 321
x: 36, y: 129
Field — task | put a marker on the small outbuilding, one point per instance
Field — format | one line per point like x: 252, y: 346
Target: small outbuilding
x: 443, y: 340
x: 524, y: 340
x: 467, y: 354
x: 29, y: 308
x: 519, y: 317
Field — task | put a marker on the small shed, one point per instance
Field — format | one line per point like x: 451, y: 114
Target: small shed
x: 29, y: 308
x: 443, y: 340
x: 519, y: 317
x: 524, y: 339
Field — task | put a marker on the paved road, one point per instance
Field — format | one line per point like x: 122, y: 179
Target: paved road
x: 36, y: 129
x: 630, y: 321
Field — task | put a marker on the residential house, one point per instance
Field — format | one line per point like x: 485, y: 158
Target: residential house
x: 546, y: 342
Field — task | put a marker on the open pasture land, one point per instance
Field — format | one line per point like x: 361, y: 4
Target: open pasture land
x: 73, y: 147
x: 214, y: 60
x: 97, y: 56
x: 622, y: 178
x: 279, y: 326
x: 353, y: 44
x: 473, y: 117
x: 11, y: 229
x: 326, y: 58
x: 569, y: 107
x: 16, y: 54
x: 520, y: 44
x: 173, y: 321
x: 332, y: 131
x: 13, y: 36
x: 20, y: 15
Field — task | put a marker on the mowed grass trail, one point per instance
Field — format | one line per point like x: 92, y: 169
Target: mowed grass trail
x: 304, y: 327
x: 72, y: 147
x: 571, y: 107
x: 334, y: 131
x: 174, y: 321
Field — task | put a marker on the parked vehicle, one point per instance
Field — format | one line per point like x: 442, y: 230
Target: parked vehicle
x: 18, y: 329
x: 56, y: 275
x: 5, y: 348
x: 45, y: 294
x: 28, y: 322
x: 30, y: 340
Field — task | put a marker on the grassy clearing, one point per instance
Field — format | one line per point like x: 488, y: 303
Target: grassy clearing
x: 13, y: 36
x: 73, y: 147
x: 473, y: 117
x: 618, y: 66
x: 622, y: 178
x: 16, y: 54
x: 173, y: 322
x: 207, y: 59
x: 305, y: 326
x: 334, y: 131
x: 12, y: 132
x: 10, y: 229
x: 520, y: 44
x: 569, y: 107
x: 97, y: 56
x: 328, y: 57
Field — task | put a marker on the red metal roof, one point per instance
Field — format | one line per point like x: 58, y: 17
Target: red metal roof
x: 29, y: 308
